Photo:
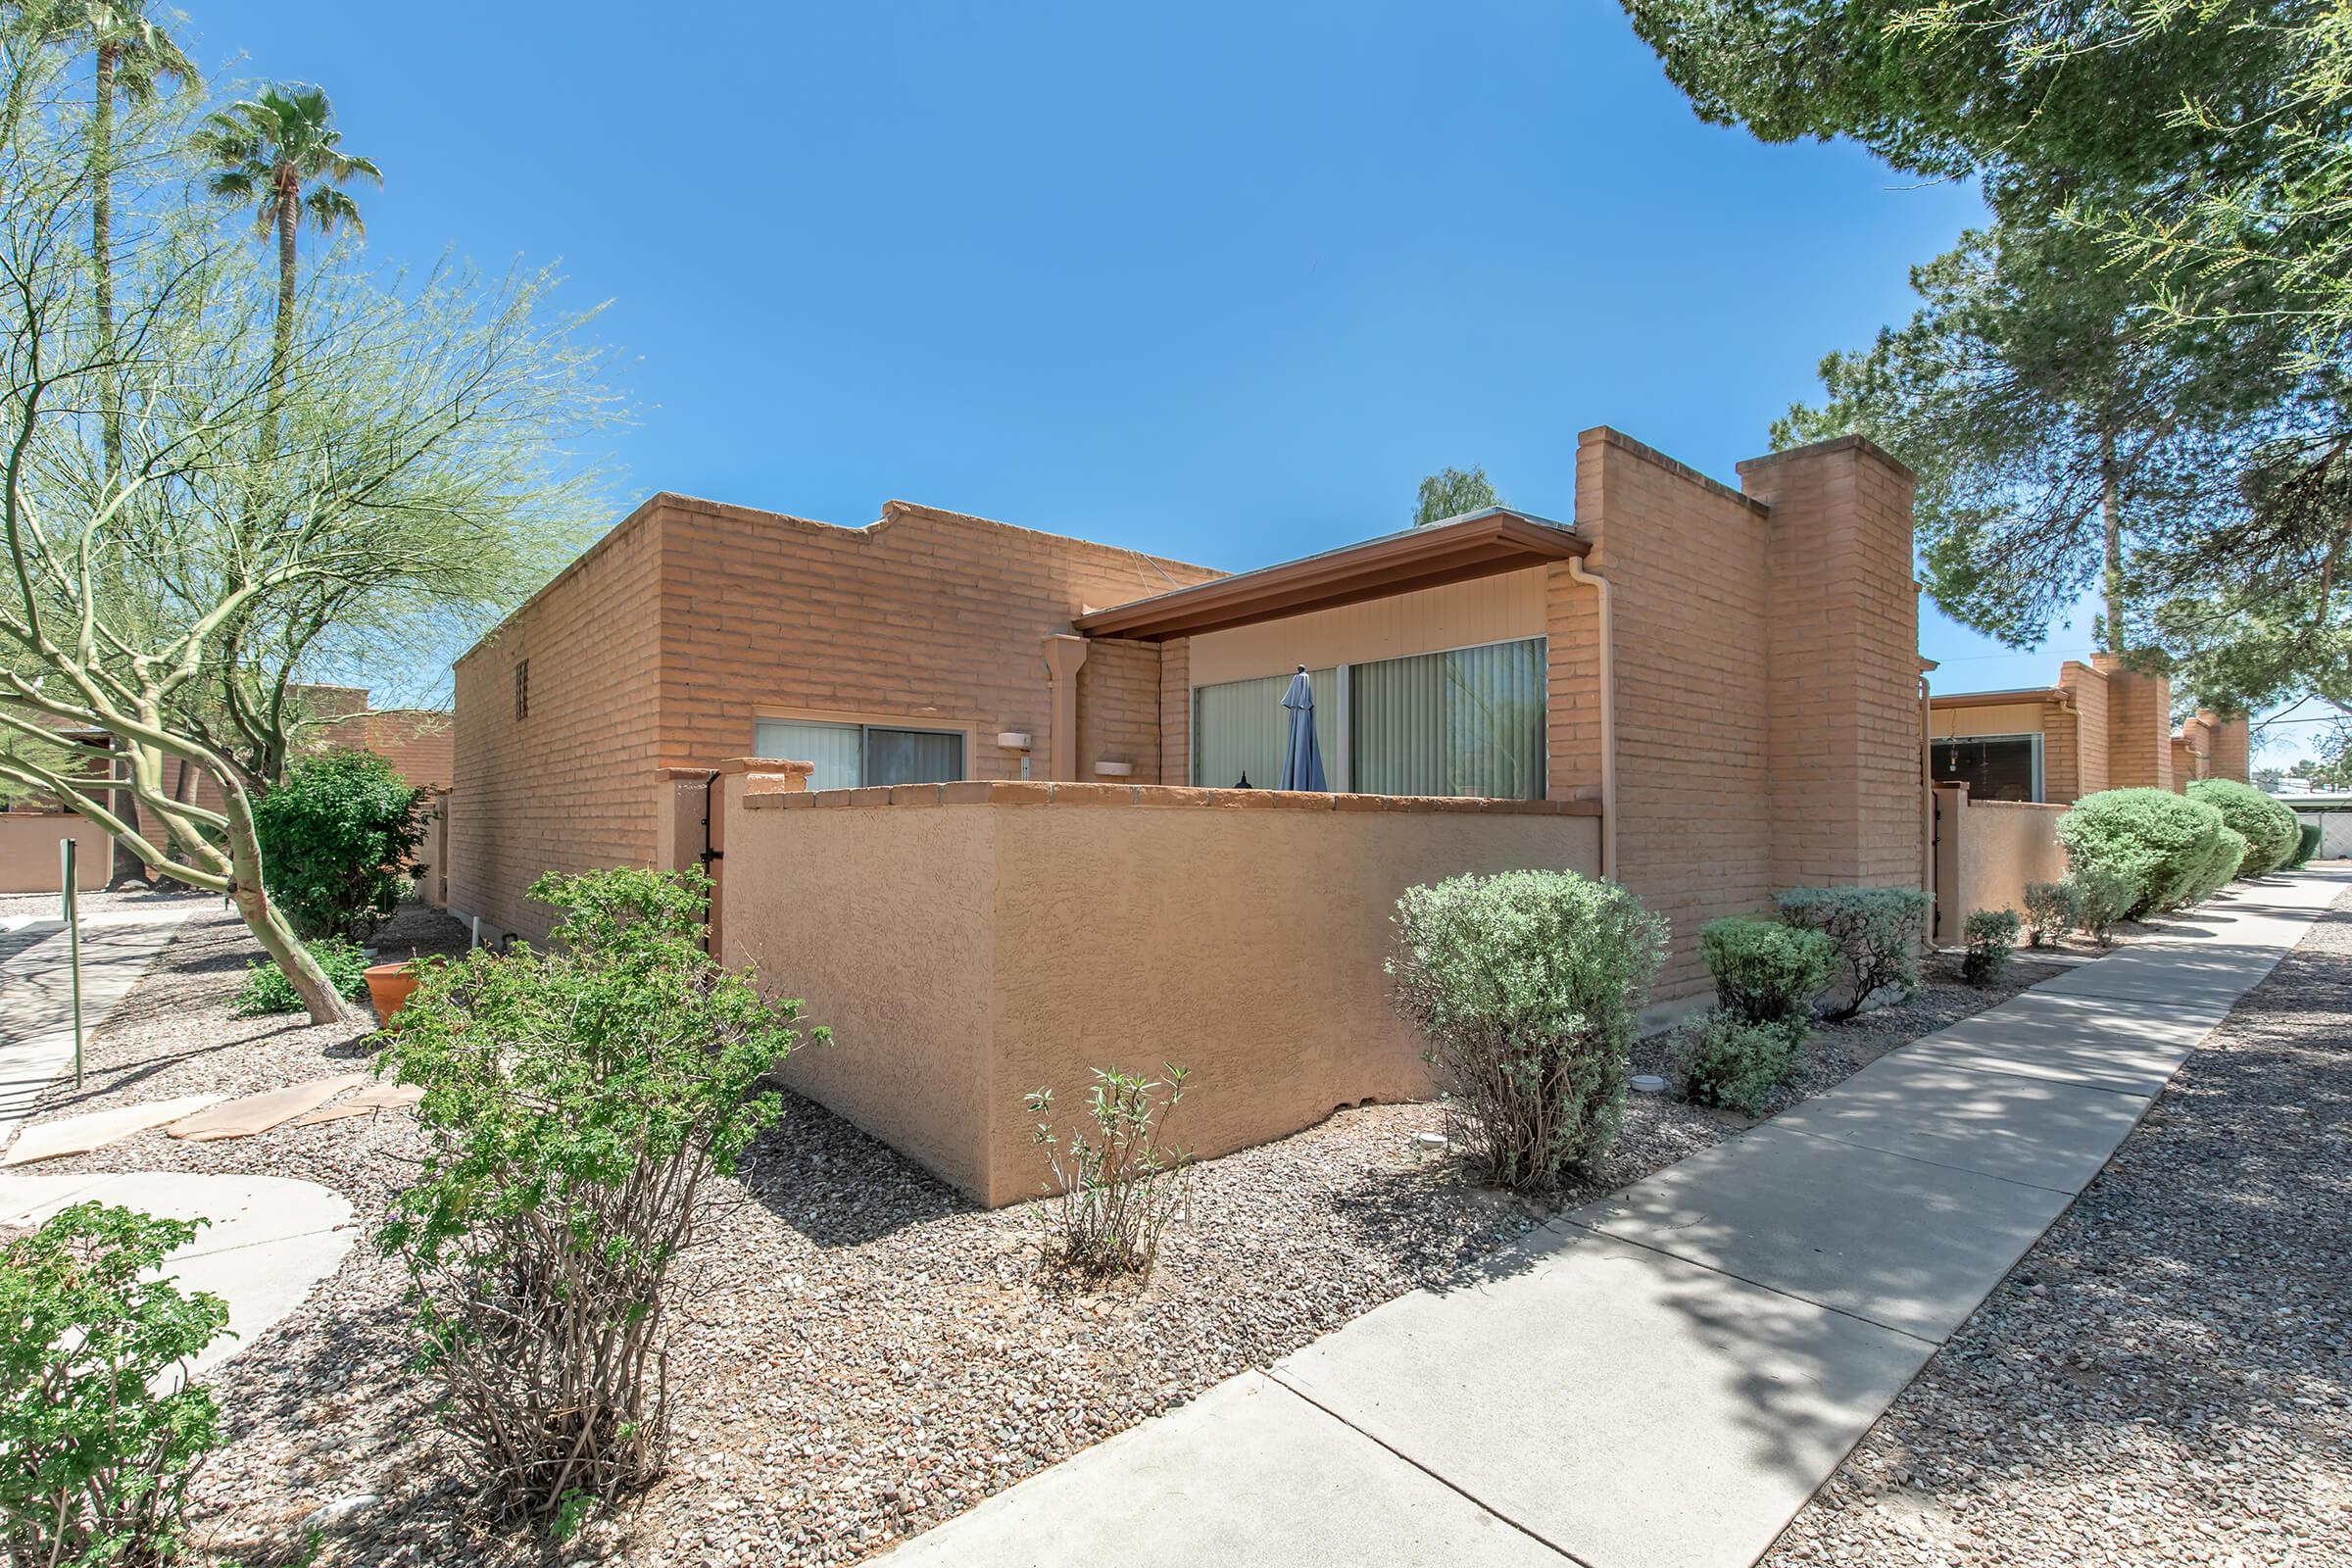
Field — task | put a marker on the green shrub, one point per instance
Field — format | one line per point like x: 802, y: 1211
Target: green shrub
x: 1765, y: 972
x: 577, y: 1106
x: 1875, y: 930
x: 1990, y: 934
x: 336, y: 836
x: 1112, y: 1193
x: 2307, y: 845
x: 2228, y: 853
x: 1525, y: 985
x: 1721, y: 1058
x: 94, y: 1464
x: 2051, y: 911
x: 268, y: 990
x: 2269, y: 826
x: 2101, y: 898
x: 2156, y: 840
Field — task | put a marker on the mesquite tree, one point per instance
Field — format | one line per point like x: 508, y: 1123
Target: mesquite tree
x: 396, y: 474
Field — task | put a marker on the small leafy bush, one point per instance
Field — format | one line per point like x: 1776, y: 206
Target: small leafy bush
x: 268, y: 990
x: 1114, y: 1192
x: 336, y: 836
x: 2051, y: 911
x: 1525, y: 984
x: 1721, y: 1058
x: 2271, y: 827
x: 95, y: 1464
x: 2307, y: 845
x: 2101, y: 898
x: 1877, y: 932
x: 2156, y: 840
x: 577, y: 1106
x: 1990, y: 934
x: 1766, y: 972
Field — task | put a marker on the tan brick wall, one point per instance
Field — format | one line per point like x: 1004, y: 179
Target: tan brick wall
x: 665, y: 644
x: 1846, y: 807
x: 1686, y: 560
x: 2091, y: 727
x: 420, y: 744
x: 2140, y: 726
x: 1176, y: 710
x: 2233, y: 750
x: 571, y: 786
x: 1118, y: 711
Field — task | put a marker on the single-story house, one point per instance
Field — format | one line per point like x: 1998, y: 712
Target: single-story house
x: 1707, y: 692
x: 2104, y: 726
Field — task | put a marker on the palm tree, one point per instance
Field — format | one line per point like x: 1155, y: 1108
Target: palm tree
x: 279, y: 151
x: 134, y: 58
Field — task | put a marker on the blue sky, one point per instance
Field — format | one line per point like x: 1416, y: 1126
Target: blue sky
x: 1219, y: 282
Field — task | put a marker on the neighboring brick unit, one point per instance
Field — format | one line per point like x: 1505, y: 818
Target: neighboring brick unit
x: 2140, y: 726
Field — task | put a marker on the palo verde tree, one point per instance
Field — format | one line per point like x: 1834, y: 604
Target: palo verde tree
x: 399, y: 467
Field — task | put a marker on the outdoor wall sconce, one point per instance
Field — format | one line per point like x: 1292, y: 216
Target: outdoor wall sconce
x: 1015, y: 740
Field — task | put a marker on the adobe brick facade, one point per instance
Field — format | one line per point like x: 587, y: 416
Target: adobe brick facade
x: 1762, y: 663
x: 667, y: 642
x: 2106, y: 725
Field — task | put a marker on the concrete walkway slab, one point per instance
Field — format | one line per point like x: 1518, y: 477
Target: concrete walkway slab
x: 36, y: 994
x: 94, y: 1130
x: 1632, y: 1410
x: 2033, y: 1130
x: 1248, y: 1473
x: 269, y: 1242
x: 2124, y: 1045
x: 251, y: 1115
x: 1902, y: 1244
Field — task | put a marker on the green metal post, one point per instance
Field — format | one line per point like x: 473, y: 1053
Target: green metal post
x: 73, y: 951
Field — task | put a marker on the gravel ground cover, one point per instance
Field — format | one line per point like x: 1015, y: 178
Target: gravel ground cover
x: 859, y: 1353
x: 2167, y: 1377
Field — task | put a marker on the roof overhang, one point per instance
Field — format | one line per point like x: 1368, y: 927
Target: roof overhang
x: 1481, y: 543
x: 2056, y: 696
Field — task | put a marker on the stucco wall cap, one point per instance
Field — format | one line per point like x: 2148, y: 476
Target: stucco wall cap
x: 765, y: 764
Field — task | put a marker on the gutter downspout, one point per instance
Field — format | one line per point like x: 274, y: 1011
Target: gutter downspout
x: 1608, y: 718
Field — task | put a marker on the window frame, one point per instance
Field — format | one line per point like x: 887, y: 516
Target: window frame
x: 2032, y: 737
x: 1341, y: 772
x: 866, y: 726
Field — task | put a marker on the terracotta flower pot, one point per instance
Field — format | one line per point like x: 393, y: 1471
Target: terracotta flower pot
x: 388, y: 988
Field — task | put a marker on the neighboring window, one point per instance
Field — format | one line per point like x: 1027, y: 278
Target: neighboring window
x: 1994, y: 768
x: 848, y: 755
x: 1468, y: 721
x: 523, y: 688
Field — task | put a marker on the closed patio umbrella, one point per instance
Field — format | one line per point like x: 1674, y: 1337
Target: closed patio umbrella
x: 1302, y: 757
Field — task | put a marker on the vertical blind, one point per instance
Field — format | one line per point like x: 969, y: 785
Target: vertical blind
x: 1469, y: 721
x: 850, y: 755
x: 1240, y: 729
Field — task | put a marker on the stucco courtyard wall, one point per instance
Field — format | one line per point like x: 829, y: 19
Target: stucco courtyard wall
x: 970, y: 942
x: 30, y: 858
x: 1986, y: 852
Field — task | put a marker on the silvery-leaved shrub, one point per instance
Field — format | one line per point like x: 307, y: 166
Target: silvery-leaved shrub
x: 2157, y: 842
x: 1767, y: 972
x: 1990, y: 935
x: 2051, y: 911
x: 1877, y: 932
x: 1721, y: 1058
x: 2101, y: 898
x: 579, y: 1107
x: 1114, y: 1180
x: 2229, y: 851
x: 1525, y: 985
x: 94, y: 1461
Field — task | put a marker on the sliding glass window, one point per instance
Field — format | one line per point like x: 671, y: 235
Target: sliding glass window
x: 1469, y: 721
x: 848, y: 755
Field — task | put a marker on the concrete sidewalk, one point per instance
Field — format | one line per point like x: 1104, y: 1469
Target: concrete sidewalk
x: 36, y: 997
x: 1661, y: 1379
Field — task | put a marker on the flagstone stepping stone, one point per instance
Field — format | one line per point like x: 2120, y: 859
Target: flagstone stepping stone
x: 258, y: 1113
x: 81, y: 1135
x: 368, y: 1102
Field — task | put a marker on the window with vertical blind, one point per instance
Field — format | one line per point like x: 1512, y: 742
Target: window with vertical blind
x: 848, y: 755
x: 1468, y: 721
